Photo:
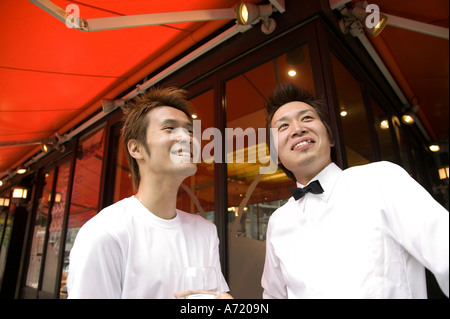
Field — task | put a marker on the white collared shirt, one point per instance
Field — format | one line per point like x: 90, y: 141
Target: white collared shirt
x: 369, y: 235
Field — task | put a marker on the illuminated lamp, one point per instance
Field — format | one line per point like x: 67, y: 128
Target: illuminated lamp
x: 248, y: 13
x: 20, y: 192
x: 4, y: 202
x: 21, y: 170
x: 360, y: 11
x: 384, y: 125
x: 362, y: 14
x: 408, y: 118
x: 443, y: 172
x: 434, y: 148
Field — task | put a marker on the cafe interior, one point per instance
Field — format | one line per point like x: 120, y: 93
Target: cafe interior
x: 67, y: 67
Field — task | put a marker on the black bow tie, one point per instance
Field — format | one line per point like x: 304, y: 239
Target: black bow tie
x: 313, y: 187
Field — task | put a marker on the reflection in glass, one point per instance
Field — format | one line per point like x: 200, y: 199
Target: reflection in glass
x: 85, y: 191
x: 253, y: 197
x: 123, y: 185
x: 384, y: 129
x: 56, y: 216
x: 196, y: 194
x: 37, y: 244
x: 6, y: 222
x: 3, y: 215
x: 355, y: 126
x: 402, y: 144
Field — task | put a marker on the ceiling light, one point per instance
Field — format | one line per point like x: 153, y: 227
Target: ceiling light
x: 344, y: 113
x: 21, y: 170
x: 443, y: 172
x: 4, y: 202
x: 363, y: 14
x: 292, y: 73
x: 249, y: 13
x: 58, y: 197
x: 20, y: 192
x: 434, y: 148
x: 384, y: 125
x: 408, y: 118
x: 44, y: 148
x: 379, y: 27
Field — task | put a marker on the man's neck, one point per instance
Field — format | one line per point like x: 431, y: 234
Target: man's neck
x: 159, y: 197
x: 304, y: 176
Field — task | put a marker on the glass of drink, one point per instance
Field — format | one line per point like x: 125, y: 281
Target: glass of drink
x: 198, y: 283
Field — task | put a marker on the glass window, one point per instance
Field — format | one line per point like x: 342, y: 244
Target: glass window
x: 3, y: 215
x: 355, y: 126
x: 85, y: 191
x: 56, y: 217
x: 402, y: 144
x: 6, y: 221
x: 123, y: 185
x: 252, y: 195
x: 40, y: 226
x: 384, y: 129
x: 196, y: 194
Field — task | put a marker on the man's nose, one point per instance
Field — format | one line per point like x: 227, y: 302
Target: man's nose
x: 182, y: 135
x: 297, y: 129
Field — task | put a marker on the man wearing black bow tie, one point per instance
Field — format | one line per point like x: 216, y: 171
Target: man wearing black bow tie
x: 364, y: 232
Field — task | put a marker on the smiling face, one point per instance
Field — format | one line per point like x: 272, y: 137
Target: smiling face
x: 304, y: 145
x: 168, y: 148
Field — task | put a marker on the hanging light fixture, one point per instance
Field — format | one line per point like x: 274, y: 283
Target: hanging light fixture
x: 443, y: 172
x: 4, y: 201
x: 20, y: 192
x: 248, y: 13
x: 384, y: 124
x: 363, y: 14
x: 434, y: 148
x: 371, y: 18
x: 408, y: 118
x: 409, y: 115
x: 21, y: 170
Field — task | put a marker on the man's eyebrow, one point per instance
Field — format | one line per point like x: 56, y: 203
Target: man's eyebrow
x: 300, y: 113
x: 187, y: 124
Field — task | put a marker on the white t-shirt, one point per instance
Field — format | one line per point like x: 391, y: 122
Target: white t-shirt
x: 125, y: 251
x: 369, y: 235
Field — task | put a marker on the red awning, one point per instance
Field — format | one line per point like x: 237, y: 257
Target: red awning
x: 52, y: 77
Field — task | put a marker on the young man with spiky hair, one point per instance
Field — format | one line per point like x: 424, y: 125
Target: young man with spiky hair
x: 364, y: 232
x: 139, y: 246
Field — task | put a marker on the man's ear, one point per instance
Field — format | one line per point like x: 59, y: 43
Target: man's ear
x: 134, y: 148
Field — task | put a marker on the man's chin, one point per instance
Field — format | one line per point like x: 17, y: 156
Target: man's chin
x: 188, y: 169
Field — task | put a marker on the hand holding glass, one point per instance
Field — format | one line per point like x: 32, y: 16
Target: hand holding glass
x: 199, y: 283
